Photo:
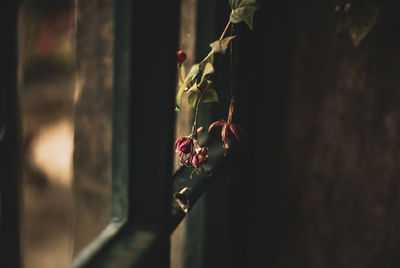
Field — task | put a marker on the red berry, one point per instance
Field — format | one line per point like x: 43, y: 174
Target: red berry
x: 180, y: 56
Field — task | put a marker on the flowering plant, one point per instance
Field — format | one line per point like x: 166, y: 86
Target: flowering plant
x: 197, y: 85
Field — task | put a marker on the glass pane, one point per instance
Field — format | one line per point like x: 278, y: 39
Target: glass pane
x: 93, y: 124
x: 65, y: 81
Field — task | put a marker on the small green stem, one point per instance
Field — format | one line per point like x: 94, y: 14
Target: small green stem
x: 225, y: 30
x: 231, y: 63
x: 232, y: 104
x: 180, y: 73
x: 196, y: 113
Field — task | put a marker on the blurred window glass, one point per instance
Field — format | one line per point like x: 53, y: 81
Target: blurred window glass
x: 65, y: 85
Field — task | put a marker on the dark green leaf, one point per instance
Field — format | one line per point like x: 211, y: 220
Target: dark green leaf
x: 192, y: 99
x: 208, y: 70
x: 179, y: 97
x: 243, y: 10
x: 362, y: 21
x: 205, y: 83
x: 210, y: 95
x: 220, y: 46
x: 194, y: 71
x: 233, y: 3
x: 191, y: 81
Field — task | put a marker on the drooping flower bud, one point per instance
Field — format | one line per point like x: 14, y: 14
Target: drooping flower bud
x: 184, y: 145
x: 199, y: 157
x: 228, y: 129
x: 180, y: 56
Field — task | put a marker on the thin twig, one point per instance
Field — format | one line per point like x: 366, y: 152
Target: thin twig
x: 196, y: 113
x: 231, y: 63
x: 225, y: 30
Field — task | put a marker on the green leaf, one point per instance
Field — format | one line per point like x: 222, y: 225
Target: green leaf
x: 220, y: 46
x: 194, y: 71
x: 208, y: 70
x: 191, y: 76
x: 234, y: 3
x: 210, y: 95
x: 362, y: 21
x: 203, y: 68
x: 192, y: 99
x: 243, y: 10
x: 179, y: 97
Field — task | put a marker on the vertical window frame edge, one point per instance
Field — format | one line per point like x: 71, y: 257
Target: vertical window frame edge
x: 10, y: 149
x: 128, y: 242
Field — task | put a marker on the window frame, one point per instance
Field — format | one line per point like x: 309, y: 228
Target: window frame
x: 9, y: 145
x: 142, y: 144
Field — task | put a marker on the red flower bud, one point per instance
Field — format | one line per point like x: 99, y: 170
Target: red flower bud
x: 184, y: 145
x: 199, y: 157
x: 180, y: 56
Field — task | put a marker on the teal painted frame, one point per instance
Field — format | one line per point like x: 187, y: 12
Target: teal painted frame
x: 143, y: 127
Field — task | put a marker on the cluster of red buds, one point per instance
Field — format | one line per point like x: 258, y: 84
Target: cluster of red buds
x: 190, y: 152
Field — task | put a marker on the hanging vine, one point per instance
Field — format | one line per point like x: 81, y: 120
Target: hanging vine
x: 197, y: 86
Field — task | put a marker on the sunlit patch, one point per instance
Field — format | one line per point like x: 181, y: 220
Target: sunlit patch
x: 52, y: 151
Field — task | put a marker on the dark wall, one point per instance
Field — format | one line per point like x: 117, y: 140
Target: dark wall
x: 316, y: 183
x: 337, y: 193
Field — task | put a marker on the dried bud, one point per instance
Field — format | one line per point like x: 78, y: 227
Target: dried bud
x: 200, y: 131
x: 184, y: 145
x: 228, y: 129
x: 199, y: 157
x: 180, y: 56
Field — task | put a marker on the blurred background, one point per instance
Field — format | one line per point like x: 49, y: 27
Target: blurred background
x: 65, y: 75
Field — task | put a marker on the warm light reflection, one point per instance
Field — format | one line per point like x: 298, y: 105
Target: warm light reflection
x: 52, y: 151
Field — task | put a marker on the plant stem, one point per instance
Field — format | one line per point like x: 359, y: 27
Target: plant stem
x: 232, y: 104
x: 231, y: 63
x: 231, y: 109
x: 196, y: 113
x: 180, y: 74
x: 225, y: 30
